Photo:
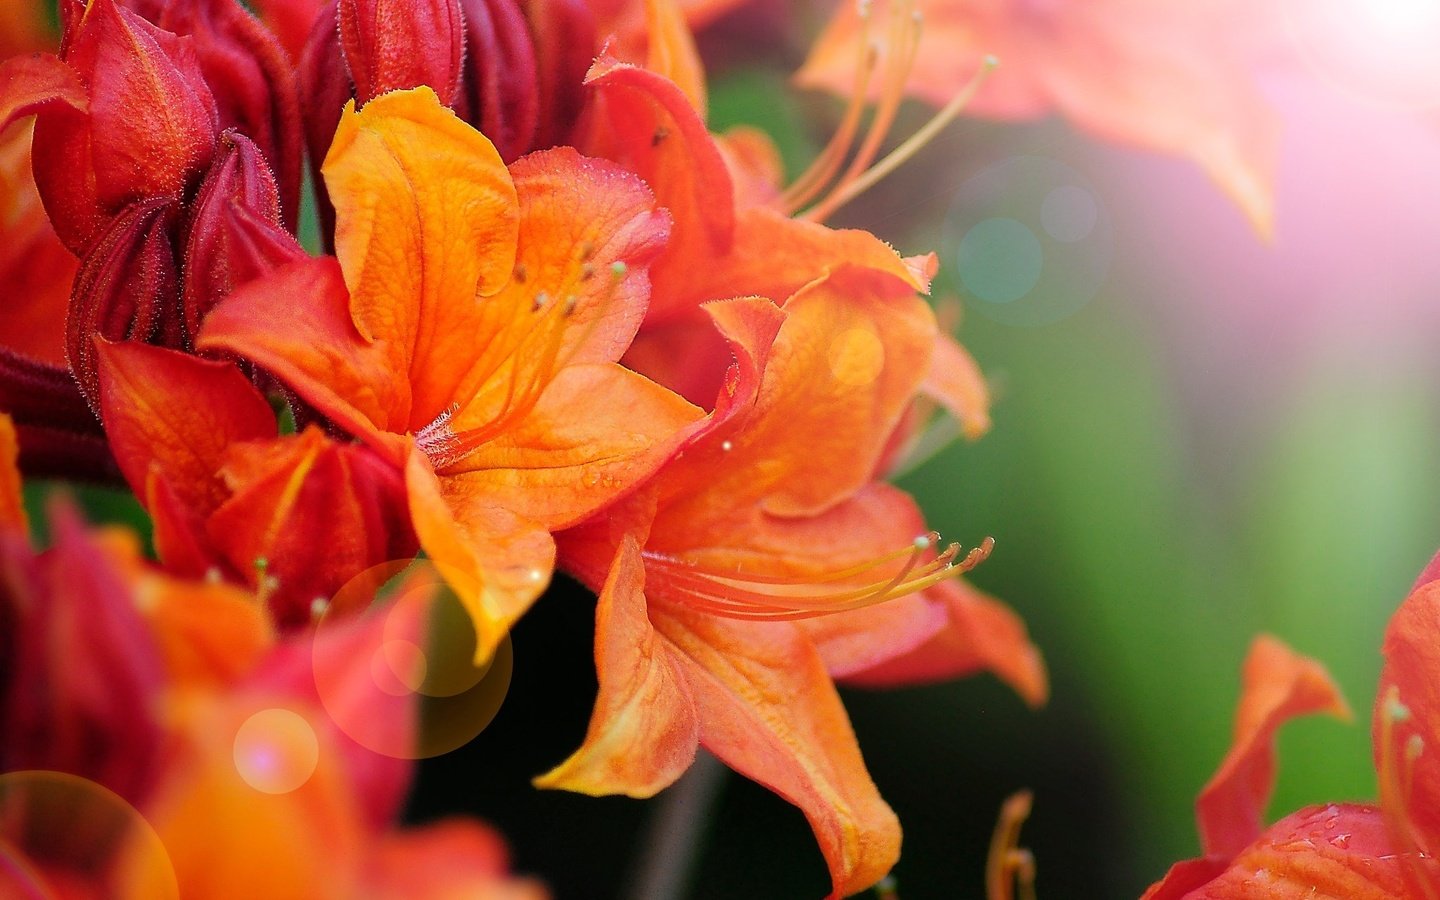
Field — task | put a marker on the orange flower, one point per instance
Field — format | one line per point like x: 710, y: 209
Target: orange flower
x: 473, y: 316
x: 1159, y: 76
x: 733, y: 233
x: 1346, y: 850
x: 755, y: 564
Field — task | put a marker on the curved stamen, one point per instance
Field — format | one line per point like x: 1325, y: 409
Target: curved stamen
x: 1397, y: 778
x: 823, y: 169
x: 849, y: 190
x: 785, y: 597
x: 1009, y: 865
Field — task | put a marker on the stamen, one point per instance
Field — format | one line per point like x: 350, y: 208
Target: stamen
x: 847, y: 191
x: 905, y: 27
x: 1008, y: 864
x: 1397, y: 778
x: 768, y: 597
x: 527, y: 360
x: 827, y: 163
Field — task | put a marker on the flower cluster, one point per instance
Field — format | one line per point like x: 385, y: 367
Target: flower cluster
x: 558, y: 324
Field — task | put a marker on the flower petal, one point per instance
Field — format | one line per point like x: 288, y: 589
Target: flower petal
x: 1406, y: 729
x: 1334, y: 852
x: 644, y: 122
x: 1279, y: 685
x: 12, y: 499
x: 644, y: 732
x: 178, y: 412
x: 840, y: 374
x: 955, y: 382
x: 426, y: 226
x: 980, y: 634
x: 768, y: 710
x: 313, y: 347
x: 571, y: 456
x: 497, y: 562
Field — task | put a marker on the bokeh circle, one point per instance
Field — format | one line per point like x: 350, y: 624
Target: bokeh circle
x: 401, y: 677
x: 60, y: 833
x: 1030, y: 241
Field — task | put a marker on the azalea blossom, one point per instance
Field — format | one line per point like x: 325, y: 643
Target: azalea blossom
x: 469, y: 318
x: 1341, y: 850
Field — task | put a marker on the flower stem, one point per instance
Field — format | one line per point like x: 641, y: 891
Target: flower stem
x: 672, y: 838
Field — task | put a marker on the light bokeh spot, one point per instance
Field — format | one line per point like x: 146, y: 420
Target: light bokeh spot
x: 856, y: 357
x: 276, y: 751
x: 1069, y: 213
x: 1000, y: 260
x: 421, y: 692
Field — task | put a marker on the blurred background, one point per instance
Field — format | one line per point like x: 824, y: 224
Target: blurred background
x: 1199, y: 435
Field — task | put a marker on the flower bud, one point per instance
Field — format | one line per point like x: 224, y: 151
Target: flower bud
x: 78, y: 690
x: 233, y: 234
x: 126, y: 289
x: 393, y: 45
x: 253, y: 82
x: 149, y: 130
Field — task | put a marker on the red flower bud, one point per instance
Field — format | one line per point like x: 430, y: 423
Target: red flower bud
x: 395, y: 44
x: 233, y: 234
x: 126, y: 289
x: 149, y: 131
x: 325, y: 85
x: 252, y: 80
x: 565, y: 37
x: 501, y: 92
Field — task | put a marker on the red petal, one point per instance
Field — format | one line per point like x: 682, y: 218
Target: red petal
x: 981, y: 634
x: 1335, y: 852
x: 180, y: 413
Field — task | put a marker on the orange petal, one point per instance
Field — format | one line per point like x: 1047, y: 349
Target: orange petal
x: 215, y: 824
x: 981, y: 634
x: 313, y: 347
x: 426, y: 223
x: 754, y: 163
x: 35, y: 267
x: 1334, y: 852
x: 317, y: 511
x: 1406, y: 729
x: 955, y: 382
x: 1161, y: 77
x: 180, y: 413
x: 644, y: 122
x: 496, y: 562
x: 588, y: 233
x: 775, y: 256
x: 644, y: 732
x: 12, y: 498
x: 571, y: 456
x: 1279, y: 685
x: 768, y: 710
x: 210, y: 634
x: 672, y: 52
x: 839, y: 376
